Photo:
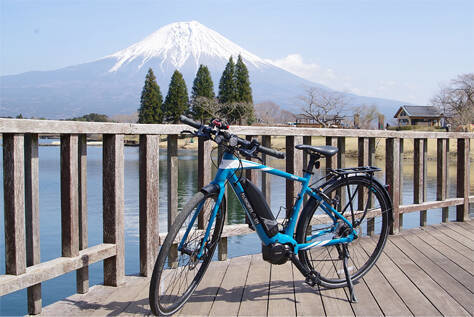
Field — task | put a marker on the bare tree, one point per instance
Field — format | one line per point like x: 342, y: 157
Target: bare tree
x: 368, y: 116
x: 456, y: 101
x: 323, y: 106
x: 269, y: 112
x: 204, y: 108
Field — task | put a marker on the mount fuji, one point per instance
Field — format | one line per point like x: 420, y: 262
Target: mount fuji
x: 112, y: 84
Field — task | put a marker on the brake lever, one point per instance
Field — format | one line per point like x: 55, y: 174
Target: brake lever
x: 188, y: 132
x: 250, y: 153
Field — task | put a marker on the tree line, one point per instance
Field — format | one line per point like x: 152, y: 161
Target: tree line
x: 234, y: 102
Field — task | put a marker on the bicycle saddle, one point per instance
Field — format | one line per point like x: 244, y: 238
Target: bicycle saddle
x: 325, y: 150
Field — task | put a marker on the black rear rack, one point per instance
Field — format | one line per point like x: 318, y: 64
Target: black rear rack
x: 353, y: 170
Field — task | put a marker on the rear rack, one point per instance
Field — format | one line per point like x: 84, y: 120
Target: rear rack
x: 353, y: 170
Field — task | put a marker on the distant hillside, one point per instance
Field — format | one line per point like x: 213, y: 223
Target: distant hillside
x: 112, y: 84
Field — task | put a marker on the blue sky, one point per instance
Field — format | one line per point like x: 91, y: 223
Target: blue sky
x: 393, y: 49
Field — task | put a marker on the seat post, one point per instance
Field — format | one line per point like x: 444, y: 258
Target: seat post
x: 313, y: 159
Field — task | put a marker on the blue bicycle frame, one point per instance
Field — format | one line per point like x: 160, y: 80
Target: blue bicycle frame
x: 227, y: 172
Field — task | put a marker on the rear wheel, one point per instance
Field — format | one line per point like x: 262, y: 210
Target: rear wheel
x: 177, y: 273
x: 364, y: 204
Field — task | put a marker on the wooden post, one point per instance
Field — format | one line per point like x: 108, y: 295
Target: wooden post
x: 266, y: 178
x: 69, y: 195
x: 307, y: 140
x: 32, y: 218
x: 400, y: 160
x: 14, y: 203
x: 356, y: 121
x: 419, y: 176
x: 441, y: 175
x: 463, y: 171
x: 113, y: 206
x: 204, y: 170
x: 392, y: 172
x: 172, y: 192
x: 222, y: 245
x: 82, y: 275
x: 363, y: 160
x: 294, y: 165
x: 149, y: 159
x: 381, y: 123
x: 341, y: 163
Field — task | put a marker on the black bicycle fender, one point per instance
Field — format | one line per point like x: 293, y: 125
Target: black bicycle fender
x: 387, y: 196
x: 210, y: 189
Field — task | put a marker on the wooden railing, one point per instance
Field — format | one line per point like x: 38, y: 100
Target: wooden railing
x: 21, y: 190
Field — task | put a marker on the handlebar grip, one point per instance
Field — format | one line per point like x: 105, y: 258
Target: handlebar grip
x: 189, y: 121
x: 271, y: 152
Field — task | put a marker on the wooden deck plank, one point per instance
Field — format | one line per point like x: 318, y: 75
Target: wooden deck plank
x: 255, y: 295
x: 227, y: 301
x: 467, y: 233
x: 449, y: 260
x: 200, y: 302
x: 416, y: 302
x: 390, y: 303
x: 456, y: 236
x: 99, y: 301
x: 123, y: 299
x: 437, y: 296
x: 456, y: 290
x: 335, y: 300
x: 281, y: 299
x: 421, y: 272
x: 308, y: 299
x: 141, y: 304
x: 449, y: 245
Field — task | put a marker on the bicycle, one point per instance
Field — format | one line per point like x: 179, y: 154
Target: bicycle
x: 324, y: 241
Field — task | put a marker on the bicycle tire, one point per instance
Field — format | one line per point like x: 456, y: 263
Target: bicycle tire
x: 365, y: 250
x: 161, y: 302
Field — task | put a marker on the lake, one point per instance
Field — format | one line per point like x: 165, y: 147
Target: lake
x: 50, y: 213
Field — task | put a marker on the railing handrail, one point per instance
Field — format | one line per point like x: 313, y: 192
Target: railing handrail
x: 55, y: 126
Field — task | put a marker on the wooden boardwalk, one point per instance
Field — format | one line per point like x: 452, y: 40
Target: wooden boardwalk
x: 426, y: 271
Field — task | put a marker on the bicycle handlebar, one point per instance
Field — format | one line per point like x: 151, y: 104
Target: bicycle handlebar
x: 242, y: 142
x: 190, y: 122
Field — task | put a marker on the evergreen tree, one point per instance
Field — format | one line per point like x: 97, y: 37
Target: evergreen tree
x: 203, y: 85
x: 227, y: 92
x: 202, y: 97
x: 150, y: 101
x: 242, y: 82
x: 177, y: 101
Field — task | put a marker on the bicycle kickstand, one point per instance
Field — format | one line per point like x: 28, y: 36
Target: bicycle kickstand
x: 350, y: 285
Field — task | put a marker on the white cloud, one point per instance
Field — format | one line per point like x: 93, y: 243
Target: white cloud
x: 364, y: 86
x: 294, y: 64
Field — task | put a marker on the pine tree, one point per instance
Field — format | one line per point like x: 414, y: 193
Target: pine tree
x: 202, y: 96
x: 227, y: 84
x: 242, y: 82
x: 177, y: 101
x: 203, y: 85
x: 150, y: 101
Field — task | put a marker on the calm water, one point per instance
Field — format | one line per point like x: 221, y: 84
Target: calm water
x: 50, y: 221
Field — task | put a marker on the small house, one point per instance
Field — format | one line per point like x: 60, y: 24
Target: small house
x: 419, y: 115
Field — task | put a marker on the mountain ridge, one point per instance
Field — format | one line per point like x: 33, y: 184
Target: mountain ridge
x: 112, y: 84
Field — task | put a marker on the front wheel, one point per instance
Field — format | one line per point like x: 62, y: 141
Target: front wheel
x: 177, y: 273
x: 363, y: 203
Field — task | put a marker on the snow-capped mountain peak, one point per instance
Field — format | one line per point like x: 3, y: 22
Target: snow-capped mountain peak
x: 175, y: 43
